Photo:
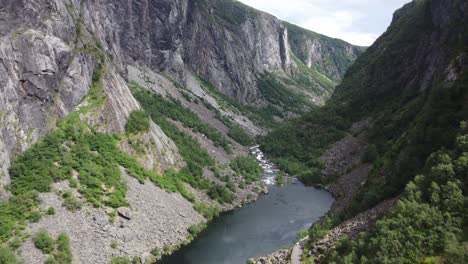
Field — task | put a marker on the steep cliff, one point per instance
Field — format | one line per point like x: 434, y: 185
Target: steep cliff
x: 47, y: 70
x: 331, y: 57
x: 110, y: 109
x: 399, y: 112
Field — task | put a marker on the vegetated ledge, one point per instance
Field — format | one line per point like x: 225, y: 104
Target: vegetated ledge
x: 73, y: 133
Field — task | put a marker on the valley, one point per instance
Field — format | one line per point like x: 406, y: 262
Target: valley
x: 196, y: 131
x: 260, y: 228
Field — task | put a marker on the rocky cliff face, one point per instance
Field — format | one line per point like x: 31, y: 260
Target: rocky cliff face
x: 48, y: 62
x: 74, y: 60
x: 224, y: 41
x: 331, y: 57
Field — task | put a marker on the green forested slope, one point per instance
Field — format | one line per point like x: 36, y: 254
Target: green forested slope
x: 412, y: 84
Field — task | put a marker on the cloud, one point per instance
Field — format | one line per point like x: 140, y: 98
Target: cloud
x: 357, y: 21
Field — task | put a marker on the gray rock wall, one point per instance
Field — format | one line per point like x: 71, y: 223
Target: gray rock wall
x: 46, y: 69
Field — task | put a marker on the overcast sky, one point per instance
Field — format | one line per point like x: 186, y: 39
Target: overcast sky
x: 359, y: 22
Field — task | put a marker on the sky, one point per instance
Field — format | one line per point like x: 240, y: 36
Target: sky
x: 359, y: 22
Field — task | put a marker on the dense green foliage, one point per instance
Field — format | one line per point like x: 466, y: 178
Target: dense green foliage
x: 70, y: 149
x: 410, y: 119
x: 221, y: 194
x: 371, y: 154
x: 172, y: 109
x: 44, y: 242
x: 15, y: 213
x: 247, y: 167
x: 196, y: 229
x: 50, y: 211
x: 196, y: 156
x: 62, y: 253
x: 240, y: 136
x: 297, y: 145
x: 121, y: 260
x: 409, y: 125
x: 7, y: 255
x: 137, y: 122
x: 279, y: 95
x: 208, y: 212
x: 429, y: 224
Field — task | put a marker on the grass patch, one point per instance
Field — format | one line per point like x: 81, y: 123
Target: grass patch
x: 44, y: 242
x: 208, y: 212
x: 239, y: 135
x: 8, y: 256
x: 196, y: 229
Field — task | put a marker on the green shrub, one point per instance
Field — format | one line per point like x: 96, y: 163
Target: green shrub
x: 114, y: 244
x: 137, y: 122
x: 15, y: 213
x: 247, y: 167
x: 311, y: 176
x: 72, y: 203
x: 280, y: 178
x: 15, y: 242
x: 136, y: 260
x: 242, y: 184
x: 155, y: 252
x: 251, y: 261
x: 44, y: 242
x: 73, y: 183
x: 239, y: 135
x: 208, y: 212
x: 319, y: 230
x: 35, y: 216
x: 220, y: 194
x: 231, y: 186
x: 50, y: 211
x: 371, y: 154
x: 301, y: 234
x: 63, y: 254
x: 196, y: 229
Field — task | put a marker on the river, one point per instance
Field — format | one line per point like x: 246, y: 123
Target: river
x: 263, y: 227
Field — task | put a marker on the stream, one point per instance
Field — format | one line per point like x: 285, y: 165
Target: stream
x: 257, y: 229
